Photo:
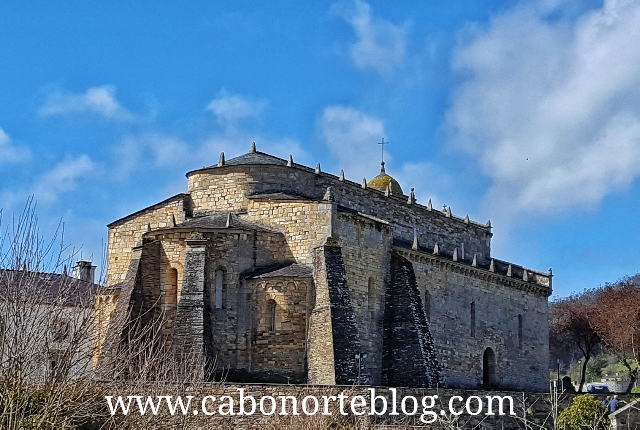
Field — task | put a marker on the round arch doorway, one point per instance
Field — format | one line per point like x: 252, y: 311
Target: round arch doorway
x: 488, y: 369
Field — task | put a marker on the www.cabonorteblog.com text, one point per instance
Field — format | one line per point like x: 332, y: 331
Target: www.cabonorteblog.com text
x: 427, y: 407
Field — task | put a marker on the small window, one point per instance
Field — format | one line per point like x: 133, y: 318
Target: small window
x: 473, y: 319
x: 520, y: 331
x: 172, y: 288
x: 271, y: 315
x: 219, y: 294
x: 60, y: 330
x: 371, y: 300
x: 426, y: 305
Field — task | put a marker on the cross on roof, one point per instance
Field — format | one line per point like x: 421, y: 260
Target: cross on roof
x: 383, y: 143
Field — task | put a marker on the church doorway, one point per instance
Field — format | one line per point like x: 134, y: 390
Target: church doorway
x: 488, y: 369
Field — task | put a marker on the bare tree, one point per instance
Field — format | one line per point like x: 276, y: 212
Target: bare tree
x: 571, y: 328
x: 616, y: 318
x: 50, y: 374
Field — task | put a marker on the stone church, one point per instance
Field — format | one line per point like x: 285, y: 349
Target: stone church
x: 277, y: 272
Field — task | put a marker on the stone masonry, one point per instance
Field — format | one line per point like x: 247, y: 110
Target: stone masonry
x: 276, y: 272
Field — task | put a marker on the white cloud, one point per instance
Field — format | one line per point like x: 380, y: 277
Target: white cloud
x: 152, y: 149
x: 230, y: 108
x: 48, y: 187
x: 551, y: 108
x: 351, y: 137
x: 9, y: 152
x: 100, y: 100
x: 380, y: 45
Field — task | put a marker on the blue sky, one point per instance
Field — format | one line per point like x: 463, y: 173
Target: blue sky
x: 525, y: 113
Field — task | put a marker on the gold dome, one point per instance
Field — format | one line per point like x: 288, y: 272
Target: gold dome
x: 382, y: 181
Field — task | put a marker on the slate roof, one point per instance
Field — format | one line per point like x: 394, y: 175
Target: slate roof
x: 278, y: 196
x: 219, y: 220
x: 47, y: 288
x: 284, y: 269
x: 255, y: 158
x: 294, y: 270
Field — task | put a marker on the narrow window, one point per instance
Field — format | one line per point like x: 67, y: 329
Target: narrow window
x: 219, y: 286
x: 271, y: 315
x: 426, y: 304
x: 473, y: 319
x: 172, y: 289
x: 371, y: 300
x: 520, y: 331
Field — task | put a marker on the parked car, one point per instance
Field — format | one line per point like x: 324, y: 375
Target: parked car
x: 596, y: 388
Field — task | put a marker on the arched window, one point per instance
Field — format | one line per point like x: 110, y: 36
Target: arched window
x: 219, y: 293
x: 426, y: 305
x: 171, y: 298
x: 473, y: 319
x: 488, y: 369
x: 520, y: 331
x: 271, y: 315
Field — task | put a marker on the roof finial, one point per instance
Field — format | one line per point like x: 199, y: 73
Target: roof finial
x: 318, y: 169
x: 364, y: 183
x: 328, y: 195
x: 253, y: 148
x: 382, y: 167
x: 412, y: 197
x: 221, y: 160
x: 290, y: 161
x: 341, y: 178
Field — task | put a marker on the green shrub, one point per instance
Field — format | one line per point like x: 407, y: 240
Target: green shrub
x: 585, y: 412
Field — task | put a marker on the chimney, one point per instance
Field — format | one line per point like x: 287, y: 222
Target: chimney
x: 84, y: 271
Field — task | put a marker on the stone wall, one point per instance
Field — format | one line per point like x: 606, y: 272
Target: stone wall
x: 127, y: 232
x: 278, y: 347
x: 304, y: 224
x: 520, y: 344
x: 239, y: 181
x: 366, y: 245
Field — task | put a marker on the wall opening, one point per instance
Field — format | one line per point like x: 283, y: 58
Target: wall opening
x: 171, y: 297
x: 371, y: 301
x: 488, y: 369
x: 219, y: 293
x: 520, y: 331
x: 473, y: 319
x: 426, y: 305
x: 272, y: 308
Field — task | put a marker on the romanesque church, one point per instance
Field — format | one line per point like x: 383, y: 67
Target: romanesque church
x: 278, y: 272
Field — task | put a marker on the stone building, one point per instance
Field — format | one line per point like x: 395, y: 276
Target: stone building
x: 275, y: 271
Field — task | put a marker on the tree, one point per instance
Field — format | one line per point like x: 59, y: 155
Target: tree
x: 616, y: 318
x: 571, y: 329
x: 49, y: 330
